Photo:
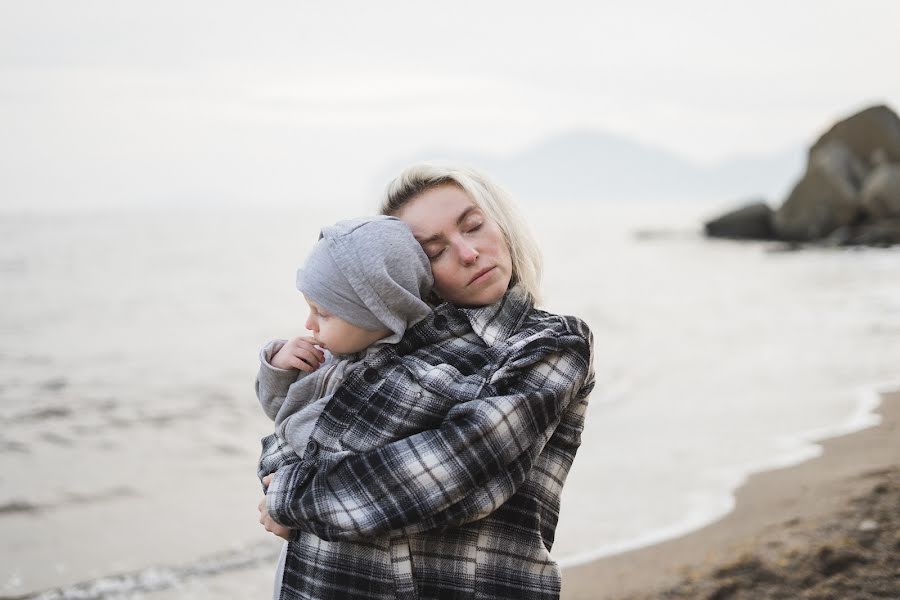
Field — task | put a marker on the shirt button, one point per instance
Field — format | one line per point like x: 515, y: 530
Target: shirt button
x: 440, y: 322
x: 370, y: 375
x: 312, y: 448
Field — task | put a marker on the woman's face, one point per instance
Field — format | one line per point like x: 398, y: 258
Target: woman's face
x: 469, y: 257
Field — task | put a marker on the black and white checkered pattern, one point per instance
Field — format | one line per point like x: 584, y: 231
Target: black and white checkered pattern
x: 436, y: 469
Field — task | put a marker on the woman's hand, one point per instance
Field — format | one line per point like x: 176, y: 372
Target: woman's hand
x: 299, y: 353
x: 267, y: 521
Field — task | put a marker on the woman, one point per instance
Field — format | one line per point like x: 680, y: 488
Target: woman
x: 437, y: 468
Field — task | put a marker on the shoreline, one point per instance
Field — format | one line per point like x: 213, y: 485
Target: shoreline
x: 864, y: 417
x: 775, y: 511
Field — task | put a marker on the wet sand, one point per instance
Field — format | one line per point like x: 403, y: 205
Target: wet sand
x: 827, y: 527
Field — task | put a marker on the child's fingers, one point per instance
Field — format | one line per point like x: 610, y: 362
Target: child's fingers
x: 303, y: 366
x: 309, y: 356
x: 312, y: 345
x: 305, y: 363
x: 320, y: 356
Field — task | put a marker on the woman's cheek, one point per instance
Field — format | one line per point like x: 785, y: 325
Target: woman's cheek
x: 443, y: 279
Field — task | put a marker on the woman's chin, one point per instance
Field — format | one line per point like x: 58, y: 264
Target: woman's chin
x: 484, y: 296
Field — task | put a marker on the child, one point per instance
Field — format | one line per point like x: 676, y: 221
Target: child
x: 364, y: 282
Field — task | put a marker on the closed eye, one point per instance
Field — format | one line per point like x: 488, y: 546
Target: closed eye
x: 473, y: 222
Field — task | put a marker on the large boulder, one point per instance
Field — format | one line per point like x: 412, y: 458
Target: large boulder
x: 883, y: 233
x: 879, y: 233
x: 750, y: 222
x: 877, y: 127
x: 881, y: 192
x: 827, y: 197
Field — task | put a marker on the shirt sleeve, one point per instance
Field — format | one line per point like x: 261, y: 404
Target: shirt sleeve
x: 462, y: 471
x: 272, y: 383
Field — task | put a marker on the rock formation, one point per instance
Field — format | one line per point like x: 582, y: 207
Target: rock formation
x: 849, y: 194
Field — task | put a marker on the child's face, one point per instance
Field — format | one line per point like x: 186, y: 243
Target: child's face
x: 337, y: 335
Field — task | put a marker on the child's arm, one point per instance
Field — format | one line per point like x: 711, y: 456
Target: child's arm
x: 281, y: 363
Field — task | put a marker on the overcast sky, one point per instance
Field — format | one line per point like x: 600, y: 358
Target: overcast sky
x: 120, y: 103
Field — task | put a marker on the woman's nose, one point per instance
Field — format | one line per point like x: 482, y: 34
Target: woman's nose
x: 467, y: 254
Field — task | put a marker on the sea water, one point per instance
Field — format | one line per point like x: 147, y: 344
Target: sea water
x: 128, y: 349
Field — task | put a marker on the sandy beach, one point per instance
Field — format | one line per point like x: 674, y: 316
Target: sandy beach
x: 826, y: 528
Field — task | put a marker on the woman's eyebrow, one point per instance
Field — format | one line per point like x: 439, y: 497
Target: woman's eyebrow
x: 462, y: 217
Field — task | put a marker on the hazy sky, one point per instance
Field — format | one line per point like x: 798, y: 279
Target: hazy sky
x: 118, y: 103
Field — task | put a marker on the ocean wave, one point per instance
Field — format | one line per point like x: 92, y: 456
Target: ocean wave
x: 153, y: 579
x: 17, y: 506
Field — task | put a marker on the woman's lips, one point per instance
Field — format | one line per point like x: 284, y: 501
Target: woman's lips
x: 481, y: 275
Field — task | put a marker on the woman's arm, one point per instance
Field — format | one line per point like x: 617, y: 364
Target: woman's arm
x: 457, y: 473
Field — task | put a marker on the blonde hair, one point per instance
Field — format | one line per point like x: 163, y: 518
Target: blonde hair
x: 496, y: 202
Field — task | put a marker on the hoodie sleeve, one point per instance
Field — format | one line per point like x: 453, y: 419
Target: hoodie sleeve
x: 272, y: 383
x: 461, y: 471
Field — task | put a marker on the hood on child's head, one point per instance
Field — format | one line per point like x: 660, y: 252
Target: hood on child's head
x: 371, y: 272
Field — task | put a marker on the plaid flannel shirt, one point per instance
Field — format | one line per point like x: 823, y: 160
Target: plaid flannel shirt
x: 436, y: 469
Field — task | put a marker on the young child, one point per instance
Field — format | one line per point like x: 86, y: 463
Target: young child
x: 364, y: 282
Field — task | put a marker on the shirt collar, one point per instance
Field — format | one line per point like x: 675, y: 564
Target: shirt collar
x: 495, y: 323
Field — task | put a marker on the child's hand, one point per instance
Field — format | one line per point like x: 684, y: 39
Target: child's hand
x: 299, y: 353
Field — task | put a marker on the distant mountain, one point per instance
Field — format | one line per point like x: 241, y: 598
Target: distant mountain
x: 596, y: 166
